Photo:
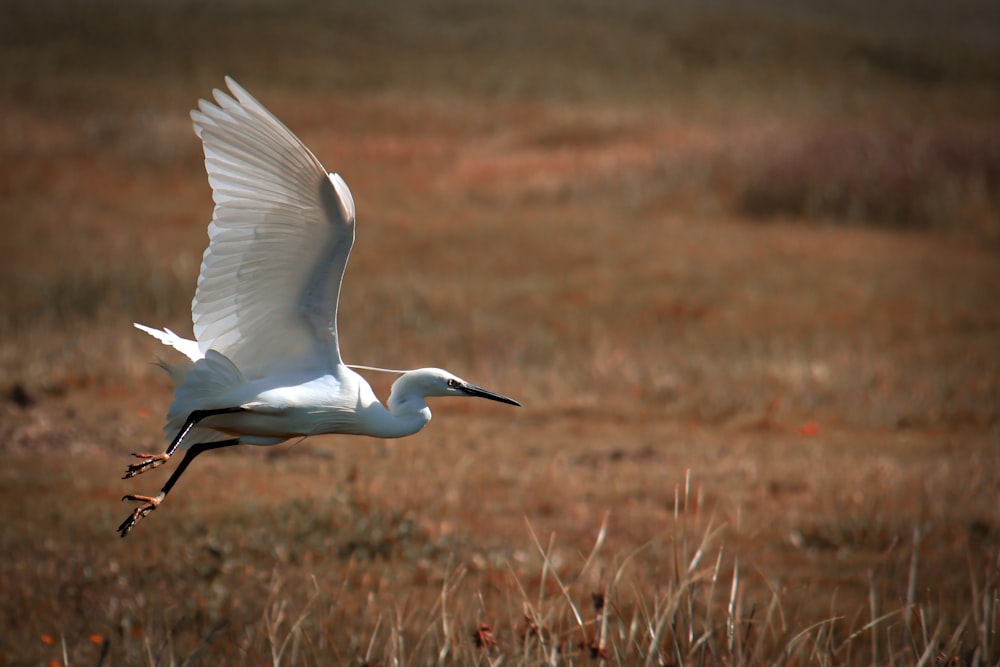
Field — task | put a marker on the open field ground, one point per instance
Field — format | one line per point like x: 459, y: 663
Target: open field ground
x: 741, y: 265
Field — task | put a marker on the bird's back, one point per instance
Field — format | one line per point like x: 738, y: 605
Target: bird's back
x: 275, y: 407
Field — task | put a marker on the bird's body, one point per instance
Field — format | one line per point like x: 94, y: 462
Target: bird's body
x: 283, y: 406
x: 265, y: 363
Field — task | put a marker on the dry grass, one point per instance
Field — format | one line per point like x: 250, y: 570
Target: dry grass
x: 945, y: 179
x: 556, y: 201
x: 302, y: 574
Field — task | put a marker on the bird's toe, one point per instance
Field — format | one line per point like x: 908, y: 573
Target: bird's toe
x: 149, y: 461
x: 150, y: 504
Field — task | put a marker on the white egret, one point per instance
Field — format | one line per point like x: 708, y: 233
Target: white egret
x: 265, y: 365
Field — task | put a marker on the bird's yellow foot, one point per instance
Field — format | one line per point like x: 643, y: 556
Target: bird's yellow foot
x: 151, y: 503
x: 149, y: 461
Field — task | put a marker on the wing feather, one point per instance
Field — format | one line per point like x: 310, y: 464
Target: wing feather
x: 280, y: 237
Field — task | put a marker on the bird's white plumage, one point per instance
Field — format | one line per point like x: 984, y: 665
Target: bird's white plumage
x: 265, y: 308
x: 280, y: 237
x: 189, y: 348
x: 265, y: 365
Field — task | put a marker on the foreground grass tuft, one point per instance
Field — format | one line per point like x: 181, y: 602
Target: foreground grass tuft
x: 704, y: 604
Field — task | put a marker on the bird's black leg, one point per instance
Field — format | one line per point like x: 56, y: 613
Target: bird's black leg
x: 150, y: 461
x: 152, y: 502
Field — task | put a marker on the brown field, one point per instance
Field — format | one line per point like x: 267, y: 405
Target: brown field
x: 740, y: 264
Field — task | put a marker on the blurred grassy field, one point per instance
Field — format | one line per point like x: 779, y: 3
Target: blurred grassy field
x: 739, y: 262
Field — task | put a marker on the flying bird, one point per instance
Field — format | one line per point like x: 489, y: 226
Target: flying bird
x: 265, y: 363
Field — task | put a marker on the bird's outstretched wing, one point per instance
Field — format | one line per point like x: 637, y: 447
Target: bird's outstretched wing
x: 280, y: 237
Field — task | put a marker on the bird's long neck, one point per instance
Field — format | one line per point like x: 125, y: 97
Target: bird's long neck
x: 401, y: 418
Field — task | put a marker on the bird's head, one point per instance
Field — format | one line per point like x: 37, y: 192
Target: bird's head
x: 439, y: 382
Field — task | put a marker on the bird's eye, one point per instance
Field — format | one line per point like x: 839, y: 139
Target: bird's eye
x: 452, y: 382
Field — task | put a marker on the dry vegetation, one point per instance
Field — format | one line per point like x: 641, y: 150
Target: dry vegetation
x: 740, y: 265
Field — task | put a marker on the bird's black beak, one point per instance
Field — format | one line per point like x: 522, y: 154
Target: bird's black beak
x: 473, y: 390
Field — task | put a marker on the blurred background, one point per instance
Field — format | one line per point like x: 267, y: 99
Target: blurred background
x: 753, y: 243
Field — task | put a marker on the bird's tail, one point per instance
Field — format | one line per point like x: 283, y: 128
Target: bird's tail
x: 189, y: 348
x: 201, y: 385
x: 177, y: 372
